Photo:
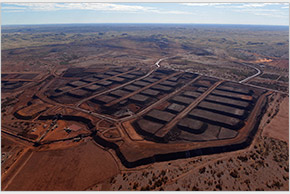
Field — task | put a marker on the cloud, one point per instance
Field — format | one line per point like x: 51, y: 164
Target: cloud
x: 259, y: 9
x: 205, y: 4
x: 90, y: 6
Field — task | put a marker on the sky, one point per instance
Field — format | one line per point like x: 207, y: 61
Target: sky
x: 195, y: 13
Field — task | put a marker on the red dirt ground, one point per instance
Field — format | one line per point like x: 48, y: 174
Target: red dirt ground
x: 75, y: 168
x: 278, y: 128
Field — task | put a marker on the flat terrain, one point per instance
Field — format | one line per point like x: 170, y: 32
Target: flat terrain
x: 278, y: 127
x: 74, y: 168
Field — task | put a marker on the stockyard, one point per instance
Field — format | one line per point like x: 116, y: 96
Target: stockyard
x: 104, y: 115
x: 159, y: 116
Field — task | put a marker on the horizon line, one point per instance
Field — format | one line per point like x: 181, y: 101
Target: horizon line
x: 141, y: 24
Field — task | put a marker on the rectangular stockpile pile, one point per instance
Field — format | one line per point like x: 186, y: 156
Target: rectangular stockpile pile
x: 77, y: 93
x: 162, y: 88
x: 112, y: 73
x: 175, y: 108
x: 65, y: 88
x: 169, y: 83
x: 236, y: 89
x: 222, y: 108
x: 139, y: 98
x: 174, y: 79
x: 117, y: 79
x: 136, y: 73
x: 140, y: 83
x: 119, y: 93
x: 104, y: 83
x: 202, y: 83
x: 127, y: 76
x: 191, y: 94
x: 227, y: 101
x: 159, y: 116
x: 232, y: 95
x: 101, y: 76
x: 192, y: 125
x: 151, y: 80
x: 182, y: 100
x: 150, y: 92
x: 92, y: 87
x: 149, y: 126
x: 76, y: 83
x: 201, y: 89
x: 120, y: 70
x: 90, y: 79
x: 216, y: 119
x: 131, y: 88
x: 104, y: 99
